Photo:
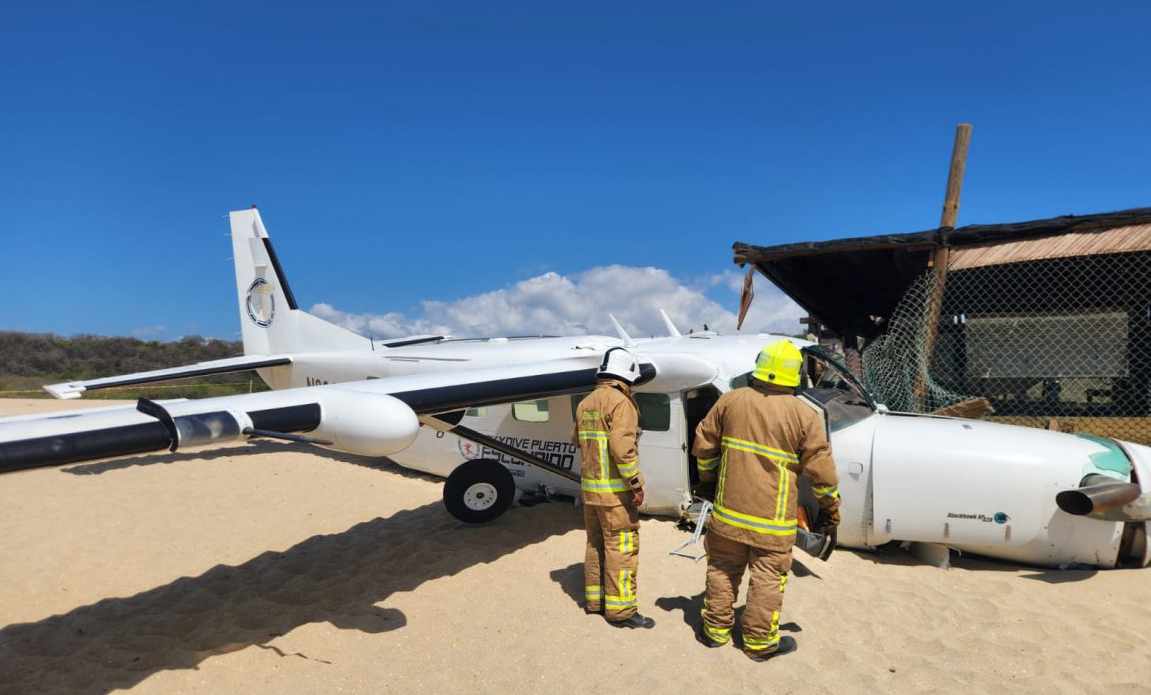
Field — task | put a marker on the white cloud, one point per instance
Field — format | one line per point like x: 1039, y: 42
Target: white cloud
x: 149, y: 332
x: 553, y: 304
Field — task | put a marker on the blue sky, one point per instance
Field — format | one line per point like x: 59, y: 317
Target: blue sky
x: 526, y: 167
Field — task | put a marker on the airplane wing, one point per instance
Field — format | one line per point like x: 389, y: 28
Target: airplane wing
x: 376, y: 417
x: 74, y: 389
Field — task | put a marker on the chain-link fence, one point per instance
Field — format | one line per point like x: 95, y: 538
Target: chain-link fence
x: 1060, y: 343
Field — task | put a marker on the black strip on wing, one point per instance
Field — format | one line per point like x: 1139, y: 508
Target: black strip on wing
x: 412, y: 341
x: 83, y: 446
x: 523, y: 388
x: 294, y: 418
x: 460, y: 396
x: 280, y: 274
x: 205, y: 371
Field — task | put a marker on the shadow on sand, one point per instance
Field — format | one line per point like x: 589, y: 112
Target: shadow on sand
x: 338, y: 578
x: 894, y: 555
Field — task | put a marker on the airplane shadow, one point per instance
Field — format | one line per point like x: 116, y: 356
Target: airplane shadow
x: 897, y: 556
x: 166, y: 458
x: 118, y: 642
x: 1049, y: 575
x: 254, y: 446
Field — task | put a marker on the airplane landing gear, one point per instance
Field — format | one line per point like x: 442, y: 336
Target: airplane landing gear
x: 478, y: 491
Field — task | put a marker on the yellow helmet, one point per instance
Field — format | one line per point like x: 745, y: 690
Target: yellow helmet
x: 779, y: 364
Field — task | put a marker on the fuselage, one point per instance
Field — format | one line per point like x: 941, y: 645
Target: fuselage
x: 973, y: 486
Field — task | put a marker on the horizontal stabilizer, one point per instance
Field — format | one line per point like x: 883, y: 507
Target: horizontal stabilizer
x: 74, y: 389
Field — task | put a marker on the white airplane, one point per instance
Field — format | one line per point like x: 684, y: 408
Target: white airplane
x: 497, y: 418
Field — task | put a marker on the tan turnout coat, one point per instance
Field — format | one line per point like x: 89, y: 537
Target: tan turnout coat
x: 606, y: 430
x: 754, y: 443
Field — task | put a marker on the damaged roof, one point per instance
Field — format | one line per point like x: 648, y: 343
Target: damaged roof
x: 846, y: 282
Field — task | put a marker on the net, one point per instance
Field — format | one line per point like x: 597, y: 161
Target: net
x: 1058, y: 343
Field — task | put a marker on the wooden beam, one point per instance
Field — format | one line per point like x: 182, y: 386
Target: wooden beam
x: 955, y: 175
x: 941, y: 255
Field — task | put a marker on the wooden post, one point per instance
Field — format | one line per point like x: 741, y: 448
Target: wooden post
x: 955, y: 176
x: 940, y: 257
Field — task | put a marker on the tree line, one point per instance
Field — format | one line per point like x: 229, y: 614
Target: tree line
x: 30, y: 360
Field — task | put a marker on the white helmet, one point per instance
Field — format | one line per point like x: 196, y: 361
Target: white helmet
x: 618, y: 363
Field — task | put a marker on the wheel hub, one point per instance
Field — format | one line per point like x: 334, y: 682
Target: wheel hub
x: 480, y: 496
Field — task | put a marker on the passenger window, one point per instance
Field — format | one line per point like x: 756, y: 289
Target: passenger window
x: 531, y: 411
x: 654, y: 411
x: 576, y: 400
x: 476, y: 412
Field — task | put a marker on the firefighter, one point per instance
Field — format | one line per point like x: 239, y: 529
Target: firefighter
x: 607, y: 429
x: 749, y: 450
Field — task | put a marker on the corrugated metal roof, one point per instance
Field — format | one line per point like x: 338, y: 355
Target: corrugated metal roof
x: 1071, y: 244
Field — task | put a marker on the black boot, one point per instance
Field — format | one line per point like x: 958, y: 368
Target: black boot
x: 635, y: 620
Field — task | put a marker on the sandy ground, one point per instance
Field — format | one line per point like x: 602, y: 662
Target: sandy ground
x: 269, y: 568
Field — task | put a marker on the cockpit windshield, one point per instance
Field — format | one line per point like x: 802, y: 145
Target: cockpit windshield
x: 835, y: 388
x: 831, y: 385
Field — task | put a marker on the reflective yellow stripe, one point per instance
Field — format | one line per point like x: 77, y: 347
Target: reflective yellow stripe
x: 707, y: 464
x: 626, y: 597
x: 759, y: 449
x: 609, y: 485
x: 772, y: 639
x: 753, y: 523
x: 828, y: 491
x: 600, y: 438
x: 782, y: 502
x: 593, y: 591
x: 720, y: 635
x: 722, y: 476
x: 783, y: 582
x: 604, y: 471
x: 619, y: 602
x: 626, y: 542
x: 629, y: 470
x: 717, y: 634
x: 757, y: 644
x: 781, y: 492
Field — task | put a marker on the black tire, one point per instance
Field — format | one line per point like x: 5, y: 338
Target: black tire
x: 478, y: 491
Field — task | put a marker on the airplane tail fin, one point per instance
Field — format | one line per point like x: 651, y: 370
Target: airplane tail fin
x: 272, y: 321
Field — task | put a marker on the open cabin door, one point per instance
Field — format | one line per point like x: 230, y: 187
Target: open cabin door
x: 696, y: 404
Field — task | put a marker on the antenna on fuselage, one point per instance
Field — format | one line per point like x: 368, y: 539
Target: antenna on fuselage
x: 627, y: 341
x: 671, y: 329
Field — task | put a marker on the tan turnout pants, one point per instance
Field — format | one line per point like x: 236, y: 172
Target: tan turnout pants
x: 726, y: 560
x: 611, y: 560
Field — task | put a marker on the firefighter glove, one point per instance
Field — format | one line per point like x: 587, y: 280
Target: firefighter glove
x: 827, y: 519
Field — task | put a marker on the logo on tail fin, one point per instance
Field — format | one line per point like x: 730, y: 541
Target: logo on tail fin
x: 261, y: 303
